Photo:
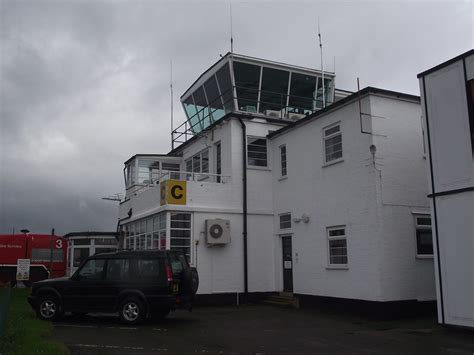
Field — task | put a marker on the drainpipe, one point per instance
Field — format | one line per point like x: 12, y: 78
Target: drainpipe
x: 244, y: 207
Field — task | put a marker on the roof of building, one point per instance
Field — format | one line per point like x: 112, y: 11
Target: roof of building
x: 150, y: 155
x: 448, y: 62
x: 337, y: 104
x: 249, y: 58
x: 91, y: 234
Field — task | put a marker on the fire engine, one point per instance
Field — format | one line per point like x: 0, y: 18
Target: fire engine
x: 47, y: 254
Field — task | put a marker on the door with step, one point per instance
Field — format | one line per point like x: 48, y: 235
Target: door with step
x: 287, y: 264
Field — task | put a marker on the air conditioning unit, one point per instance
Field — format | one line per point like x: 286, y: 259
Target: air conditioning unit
x: 272, y: 113
x: 295, y: 116
x: 217, y: 231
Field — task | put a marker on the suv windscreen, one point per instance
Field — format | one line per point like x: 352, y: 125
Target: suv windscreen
x: 118, y: 269
x: 93, y: 269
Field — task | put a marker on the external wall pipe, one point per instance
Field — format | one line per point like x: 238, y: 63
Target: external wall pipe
x: 244, y: 204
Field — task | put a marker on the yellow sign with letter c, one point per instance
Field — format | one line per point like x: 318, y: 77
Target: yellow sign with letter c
x: 173, y: 192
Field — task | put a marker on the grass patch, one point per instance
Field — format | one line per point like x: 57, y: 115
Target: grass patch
x: 24, y: 332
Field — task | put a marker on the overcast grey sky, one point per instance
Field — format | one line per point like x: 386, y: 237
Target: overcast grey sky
x: 85, y: 84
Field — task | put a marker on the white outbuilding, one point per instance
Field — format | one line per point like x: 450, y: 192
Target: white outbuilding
x: 448, y: 109
x: 271, y: 188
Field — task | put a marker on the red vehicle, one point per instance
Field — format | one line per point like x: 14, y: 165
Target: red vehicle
x: 47, y: 254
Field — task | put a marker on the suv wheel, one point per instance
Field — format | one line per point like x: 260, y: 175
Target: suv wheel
x: 49, y: 308
x: 131, y: 311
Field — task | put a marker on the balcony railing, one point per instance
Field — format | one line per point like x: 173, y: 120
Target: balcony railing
x: 178, y: 175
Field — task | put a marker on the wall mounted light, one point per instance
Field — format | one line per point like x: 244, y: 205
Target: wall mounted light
x: 304, y: 217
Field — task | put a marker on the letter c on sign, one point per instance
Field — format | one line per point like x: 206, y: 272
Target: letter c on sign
x: 176, y: 192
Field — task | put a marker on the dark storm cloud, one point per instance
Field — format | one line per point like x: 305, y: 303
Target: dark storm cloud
x: 85, y: 84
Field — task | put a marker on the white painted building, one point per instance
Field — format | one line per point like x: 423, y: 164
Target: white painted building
x: 322, y: 199
x: 448, y: 109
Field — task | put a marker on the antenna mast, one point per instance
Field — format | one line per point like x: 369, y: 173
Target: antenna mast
x: 231, y: 32
x: 322, y: 72
x: 171, y: 98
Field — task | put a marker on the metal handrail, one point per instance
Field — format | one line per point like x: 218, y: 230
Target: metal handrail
x: 187, y: 129
x: 189, y: 176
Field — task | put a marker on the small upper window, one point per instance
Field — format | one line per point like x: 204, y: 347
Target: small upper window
x: 257, y: 151
x: 283, y: 160
x: 424, y: 237
x: 332, y: 143
x: 285, y: 221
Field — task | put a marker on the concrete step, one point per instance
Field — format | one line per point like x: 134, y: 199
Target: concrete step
x: 282, y: 301
x: 277, y: 303
x: 282, y: 298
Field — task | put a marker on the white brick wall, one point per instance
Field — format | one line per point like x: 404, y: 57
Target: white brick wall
x: 377, y: 213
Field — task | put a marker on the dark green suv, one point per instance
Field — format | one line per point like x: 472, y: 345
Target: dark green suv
x: 136, y: 284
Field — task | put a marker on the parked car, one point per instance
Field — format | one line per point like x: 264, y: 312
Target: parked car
x: 136, y: 284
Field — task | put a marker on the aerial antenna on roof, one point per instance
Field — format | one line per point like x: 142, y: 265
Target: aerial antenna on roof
x: 171, y: 98
x: 322, y: 72
x: 115, y: 197
x: 231, y: 32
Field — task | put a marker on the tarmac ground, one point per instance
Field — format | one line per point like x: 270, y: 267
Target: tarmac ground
x: 261, y: 329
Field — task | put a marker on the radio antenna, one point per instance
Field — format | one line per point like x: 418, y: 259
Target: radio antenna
x: 171, y: 102
x: 231, y: 31
x: 322, y: 72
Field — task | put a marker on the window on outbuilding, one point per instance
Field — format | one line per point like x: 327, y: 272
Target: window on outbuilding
x: 337, y: 245
x: 332, y: 137
x: 424, y: 235
x: 257, y: 151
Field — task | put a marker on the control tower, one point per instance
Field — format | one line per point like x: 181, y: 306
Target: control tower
x: 242, y: 84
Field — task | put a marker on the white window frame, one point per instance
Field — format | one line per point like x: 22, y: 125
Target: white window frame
x: 264, y: 167
x: 339, y: 237
x: 279, y: 221
x: 218, y: 161
x: 190, y: 229
x: 422, y: 227
x: 201, y: 174
x: 332, y: 135
x: 281, y: 147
